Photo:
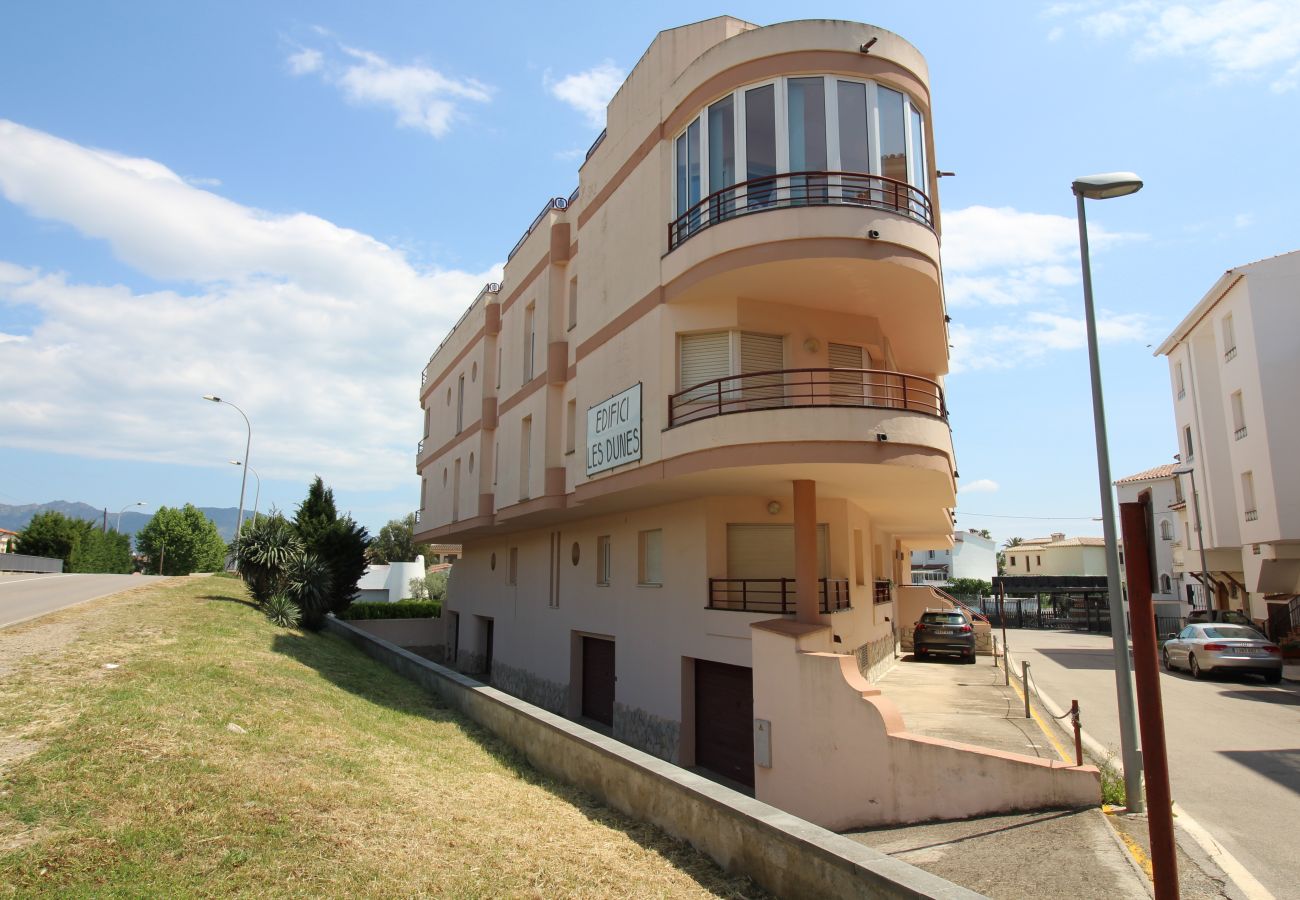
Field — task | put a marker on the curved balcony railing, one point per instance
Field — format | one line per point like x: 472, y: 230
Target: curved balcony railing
x: 795, y: 388
x: 790, y: 189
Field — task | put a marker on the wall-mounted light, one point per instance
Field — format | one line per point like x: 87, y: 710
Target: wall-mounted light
x: 812, y: 345
x: 882, y: 437
x: 774, y: 507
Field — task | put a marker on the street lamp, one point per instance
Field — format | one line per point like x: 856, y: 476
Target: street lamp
x: 1103, y: 187
x: 257, y: 494
x: 1200, y: 538
x: 243, y: 482
x: 118, y: 526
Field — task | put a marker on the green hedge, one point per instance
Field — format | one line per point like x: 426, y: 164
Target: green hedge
x: 403, y: 609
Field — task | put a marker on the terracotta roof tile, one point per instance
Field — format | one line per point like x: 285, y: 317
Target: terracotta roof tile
x: 1164, y: 471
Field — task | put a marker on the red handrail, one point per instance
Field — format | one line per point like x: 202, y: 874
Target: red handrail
x: 795, y: 388
x: 813, y: 188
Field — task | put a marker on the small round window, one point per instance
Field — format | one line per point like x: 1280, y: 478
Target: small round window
x: 473, y: 372
x: 576, y: 553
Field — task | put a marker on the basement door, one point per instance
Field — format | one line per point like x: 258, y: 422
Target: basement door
x: 724, y: 720
x: 598, y: 680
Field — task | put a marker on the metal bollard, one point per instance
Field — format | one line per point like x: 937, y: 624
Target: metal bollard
x: 1024, y: 682
x: 1078, y: 733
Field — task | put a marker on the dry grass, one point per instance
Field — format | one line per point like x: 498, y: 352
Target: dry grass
x: 339, y: 779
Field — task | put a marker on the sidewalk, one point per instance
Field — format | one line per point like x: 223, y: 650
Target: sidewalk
x: 1076, y: 854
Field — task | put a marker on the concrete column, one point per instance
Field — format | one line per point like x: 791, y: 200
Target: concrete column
x: 805, y: 552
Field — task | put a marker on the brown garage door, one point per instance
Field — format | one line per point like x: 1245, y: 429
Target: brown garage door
x: 598, y: 680
x: 724, y: 720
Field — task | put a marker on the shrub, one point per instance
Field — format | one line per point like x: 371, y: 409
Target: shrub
x: 282, y: 611
x: 404, y: 609
x: 432, y: 586
x: 975, y: 587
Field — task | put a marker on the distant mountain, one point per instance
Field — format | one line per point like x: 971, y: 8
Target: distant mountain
x: 15, y: 518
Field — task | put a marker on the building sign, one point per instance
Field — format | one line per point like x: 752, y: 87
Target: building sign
x: 614, y: 431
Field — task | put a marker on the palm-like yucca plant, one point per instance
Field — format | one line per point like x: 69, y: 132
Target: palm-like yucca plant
x: 264, y: 551
x: 307, y: 582
x: 282, y: 611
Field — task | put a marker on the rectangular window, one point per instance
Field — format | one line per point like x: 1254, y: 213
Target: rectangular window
x: 496, y: 462
x: 455, y: 492
x: 762, y: 353
x: 1011, y: 562
x: 847, y: 388
x: 525, y: 456
x: 1238, y: 416
x: 760, y: 142
x: 931, y: 552
x: 1229, y: 339
x: 571, y: 427
x: 1178, y: 381
x: 917, y: 157
x: 855, y: 149
x: 603, y: 565
x: 701, y: 358
x: 893, y: 135
x: 1248, y: 495
x: 859, y: 561
x: 530, y: 342
x: 688, y: 179
x: 553, y: 584
x: 512, y: 567
x: 1187, y: 442
x: 460, y: 404
x: 498, y: 368
x: 722, y: 156
x: 650, y: 549
x: 806, y: 100
x: 573, y: 304
x: 1178, y: 489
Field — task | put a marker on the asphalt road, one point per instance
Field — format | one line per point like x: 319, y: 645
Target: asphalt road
x: 1233, y: 744
x: 25, y: 595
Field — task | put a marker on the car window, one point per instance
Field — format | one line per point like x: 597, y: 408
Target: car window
x: 943, y: 619
x: 1187, y: 633
x: 1227, y: 632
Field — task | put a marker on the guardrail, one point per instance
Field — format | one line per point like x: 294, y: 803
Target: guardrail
x: 21, y: 562
x: 789, y: 189
x: 793, y: 388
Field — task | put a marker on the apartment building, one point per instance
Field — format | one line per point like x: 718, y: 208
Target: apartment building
x: 1160, y: 490
x: 690, y: 439
x: 1057, y: 555
x: 1234, y: 365
x: 971, y: 556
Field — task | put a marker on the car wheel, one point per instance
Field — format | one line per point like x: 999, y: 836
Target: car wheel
x: 1164, y: 661
x: 1273, y: 677
x: 970, y: 657
x: 1197, y: 671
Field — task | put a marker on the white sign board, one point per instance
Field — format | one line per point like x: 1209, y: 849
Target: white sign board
x: 614, y: 431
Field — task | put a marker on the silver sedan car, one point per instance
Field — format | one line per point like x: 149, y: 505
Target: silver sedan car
x: 1219, y: 647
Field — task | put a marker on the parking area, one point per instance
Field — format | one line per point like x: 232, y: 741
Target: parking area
x: 949, y: 698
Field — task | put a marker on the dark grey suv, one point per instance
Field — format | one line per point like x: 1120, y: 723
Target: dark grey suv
x: 944, y: 631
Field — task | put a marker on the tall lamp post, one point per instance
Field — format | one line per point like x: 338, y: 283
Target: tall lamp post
x: 243, y: 482
x: 118, y: 526
x: 257, y: 493
x: 1200, y: 538
x: 1103, y: 187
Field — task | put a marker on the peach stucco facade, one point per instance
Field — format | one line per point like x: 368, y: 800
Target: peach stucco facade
x: 702, y: 399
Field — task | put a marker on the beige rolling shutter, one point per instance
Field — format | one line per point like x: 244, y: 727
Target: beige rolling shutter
x: 846, y: 387
x: 767, y: 551
x: 701, y: 358
x: 762, y: 353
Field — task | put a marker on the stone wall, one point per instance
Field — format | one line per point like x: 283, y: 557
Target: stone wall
x: 647, y: 732
x: 877, y: 657
x: 549, y: 695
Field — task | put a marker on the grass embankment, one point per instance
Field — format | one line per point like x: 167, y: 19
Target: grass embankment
x: 224, y: 756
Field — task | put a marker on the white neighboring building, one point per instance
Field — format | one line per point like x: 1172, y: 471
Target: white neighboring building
x: 1168, y: 593
x: 972, y: 556
x: 1234, y: 365
x: 389, y: 583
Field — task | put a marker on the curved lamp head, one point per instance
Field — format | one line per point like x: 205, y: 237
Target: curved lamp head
x: 1105, y: 186
x: 212, y: 397
x: 234, y: 462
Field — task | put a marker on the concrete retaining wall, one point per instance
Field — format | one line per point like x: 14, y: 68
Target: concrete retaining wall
x: 785, y: 855
x: 423, y: 632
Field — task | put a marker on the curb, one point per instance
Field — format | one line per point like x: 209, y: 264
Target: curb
x: 1228, y: 864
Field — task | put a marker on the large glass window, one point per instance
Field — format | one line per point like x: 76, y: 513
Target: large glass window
x: 808, y: 139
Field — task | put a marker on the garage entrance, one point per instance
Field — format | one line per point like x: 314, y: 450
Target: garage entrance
x: 724, y: 720
x: 598, y: 680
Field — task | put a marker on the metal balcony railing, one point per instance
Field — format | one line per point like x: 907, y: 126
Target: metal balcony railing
x: 791, y: 189
x: 774, y: 595
x: 795, y: 388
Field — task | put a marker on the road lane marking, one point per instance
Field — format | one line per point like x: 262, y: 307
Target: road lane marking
x: 33, y: 578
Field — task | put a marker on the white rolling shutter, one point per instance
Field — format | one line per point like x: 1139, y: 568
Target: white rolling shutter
x: 846, y: 387
x: 762, y: 353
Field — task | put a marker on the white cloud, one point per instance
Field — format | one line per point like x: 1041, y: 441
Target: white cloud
x: 1233, y: 38
x: 423, y: 98
x: 1033, y: 335
x: 305, y: 61
x: 1005, y: 257
x: 1243, y: 220
x: 317, y: 331
x: 980, y: 486
x: 589, y: 92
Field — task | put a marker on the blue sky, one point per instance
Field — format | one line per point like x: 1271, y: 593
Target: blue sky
x: 288, y: 204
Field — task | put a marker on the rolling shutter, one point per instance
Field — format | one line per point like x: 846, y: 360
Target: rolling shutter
x: 846, y: 387
x: 762, y: 353
x: 767, y: 551
x: 703, y: 357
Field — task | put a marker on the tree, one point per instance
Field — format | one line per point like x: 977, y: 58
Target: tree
x: 985, y: 533
x: 976, y: 587
x: 49, y: 534
x: 1013, y: 542
x: 181, y: 541
x: 339, y: 543
x: 396, y: 543
x: 433, y: 586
